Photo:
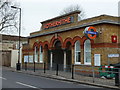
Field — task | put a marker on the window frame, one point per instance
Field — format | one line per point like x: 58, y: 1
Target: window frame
x: 36, y: 54
x: 89, y: 51
x: 76, y: 62
x: 41, y: 54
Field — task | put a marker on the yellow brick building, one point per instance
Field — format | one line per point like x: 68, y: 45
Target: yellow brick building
x: 62, y: 40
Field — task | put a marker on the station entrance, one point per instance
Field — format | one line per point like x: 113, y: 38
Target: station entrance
x: 61, y: 56
x: 58, y: 55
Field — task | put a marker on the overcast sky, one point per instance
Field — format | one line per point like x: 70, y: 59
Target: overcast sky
x: 36, y: 11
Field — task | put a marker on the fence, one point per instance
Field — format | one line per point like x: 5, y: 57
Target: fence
x: 91, y: 74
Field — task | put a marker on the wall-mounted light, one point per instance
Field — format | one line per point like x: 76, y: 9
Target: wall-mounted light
x: 100, y: 31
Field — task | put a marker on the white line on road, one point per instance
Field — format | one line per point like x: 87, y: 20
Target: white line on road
x: 3, y: 78
x: 26, y: 85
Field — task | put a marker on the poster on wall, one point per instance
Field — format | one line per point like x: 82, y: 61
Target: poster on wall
x: 30, y: 58
x: 26, y: 58
x: 97, y: 61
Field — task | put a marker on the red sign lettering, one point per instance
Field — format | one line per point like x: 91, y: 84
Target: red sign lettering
x: 57, y: 23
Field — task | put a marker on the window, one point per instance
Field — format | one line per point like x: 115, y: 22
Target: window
x: 87, y: 52
x: 97, y: 61
x: 41, y: 54
x: 77, y: 53
x: 36, y: 54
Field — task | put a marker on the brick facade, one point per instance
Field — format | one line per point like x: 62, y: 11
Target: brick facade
x: 107, y: 26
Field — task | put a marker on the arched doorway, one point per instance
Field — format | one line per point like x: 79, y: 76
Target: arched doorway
x: 58, y: 55
x: 47, y: 56
x: 68, y: 56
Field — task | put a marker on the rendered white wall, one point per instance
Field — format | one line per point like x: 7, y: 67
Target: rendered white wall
x: 14, y: 58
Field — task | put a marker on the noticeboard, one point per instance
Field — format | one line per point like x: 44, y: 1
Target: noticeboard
x: 28, y: 58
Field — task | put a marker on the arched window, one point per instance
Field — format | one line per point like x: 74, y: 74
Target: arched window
x: 41, y: 55
x: 77, y: 53
x: 36, y: 54
x: 87, y: 52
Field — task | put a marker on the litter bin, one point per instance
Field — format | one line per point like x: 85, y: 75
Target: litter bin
x: 18, y: 66
x: 117, y: 74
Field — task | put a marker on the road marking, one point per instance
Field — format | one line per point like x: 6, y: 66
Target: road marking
x: 26, y: 85
x: 3, y: 78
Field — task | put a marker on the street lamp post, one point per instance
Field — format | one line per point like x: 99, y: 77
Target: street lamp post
x: 18, y: 65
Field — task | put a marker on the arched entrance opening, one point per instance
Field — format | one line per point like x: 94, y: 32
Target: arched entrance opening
x: 58, y: 55
x: 46, y: 54
x: 68, y: 56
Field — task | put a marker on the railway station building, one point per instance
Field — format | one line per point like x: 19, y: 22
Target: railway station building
x: 66, y: 40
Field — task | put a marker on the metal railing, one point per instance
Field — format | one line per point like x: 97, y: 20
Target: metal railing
x: 89, y: 74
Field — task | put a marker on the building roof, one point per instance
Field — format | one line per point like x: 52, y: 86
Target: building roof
x: 13, y: 38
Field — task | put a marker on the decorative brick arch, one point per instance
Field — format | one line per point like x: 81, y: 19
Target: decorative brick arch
x: 36, y: 44
x: 84, y: 39
x: 54, y: 39
x: 40, y: 44
x: 46, y: 43
x: 77, y: 38
x: 67, y: 40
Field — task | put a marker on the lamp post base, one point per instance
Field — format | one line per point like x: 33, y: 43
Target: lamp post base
x: 18, y: 66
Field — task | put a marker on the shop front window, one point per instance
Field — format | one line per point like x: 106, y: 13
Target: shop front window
x: 41, y: 54
x: 77, y: 53
x: 87, y: 52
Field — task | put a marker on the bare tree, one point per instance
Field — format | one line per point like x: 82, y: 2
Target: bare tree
x: 72, y: 8
x: 8, y: 16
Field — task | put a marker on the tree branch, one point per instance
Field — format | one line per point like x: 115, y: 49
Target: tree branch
x: 8, y: 16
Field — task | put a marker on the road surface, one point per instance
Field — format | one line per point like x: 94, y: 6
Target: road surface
x: 19, y: 80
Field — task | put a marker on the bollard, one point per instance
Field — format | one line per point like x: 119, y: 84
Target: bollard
x: 57, y: 70
x: 25, y: 66
x: 93, y: 74
x: 117, y: 77
x: 72, y: 71
x: 44, y: 67
x: 34, y: 66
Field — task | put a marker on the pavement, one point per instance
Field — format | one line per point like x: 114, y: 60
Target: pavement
x: 53, y: 76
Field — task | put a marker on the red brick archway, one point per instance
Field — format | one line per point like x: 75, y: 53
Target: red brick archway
x: 46, y: 43
x: 40, y: 44
x: 36, y: 44
x: 77, y: 38
x: 67, y: 40
x: 84, y: 39
x: 54, y: 39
